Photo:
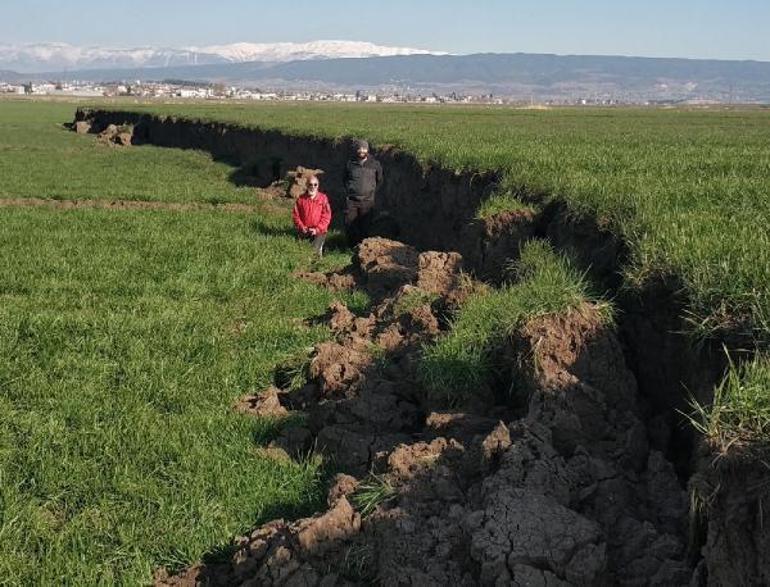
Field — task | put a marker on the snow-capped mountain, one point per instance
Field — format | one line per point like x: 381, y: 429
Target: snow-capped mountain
x: 281, y: 52
x: 61, y: 56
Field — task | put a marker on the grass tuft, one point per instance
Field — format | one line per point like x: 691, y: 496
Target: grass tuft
x: 372, y: 492
x: 502, y: 202
x: 738, y: 420
x: 413, y: 299
x: 460, y: 363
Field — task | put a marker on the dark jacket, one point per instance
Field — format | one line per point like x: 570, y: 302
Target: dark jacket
x: 362, y: 179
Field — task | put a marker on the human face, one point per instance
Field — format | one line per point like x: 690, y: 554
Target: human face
x: 312, y: 186
x: 362, y: 153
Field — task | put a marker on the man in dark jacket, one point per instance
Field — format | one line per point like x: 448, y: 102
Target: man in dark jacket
x: 363, y: 177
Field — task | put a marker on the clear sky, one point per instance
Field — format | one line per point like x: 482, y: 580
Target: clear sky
x: 725, y: 29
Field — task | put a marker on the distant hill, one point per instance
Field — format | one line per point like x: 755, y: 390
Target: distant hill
x: 537, y: 74
x: 542, y: 76
x: 45, y: 57
x: 10, y: 76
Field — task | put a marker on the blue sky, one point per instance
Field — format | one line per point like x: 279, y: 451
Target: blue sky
x: 724, y: 29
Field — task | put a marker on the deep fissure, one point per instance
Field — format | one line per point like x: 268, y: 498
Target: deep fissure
x: 433, y: 209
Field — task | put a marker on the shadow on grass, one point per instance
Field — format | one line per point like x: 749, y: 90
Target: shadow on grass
x: 216, y: 561
x: 335, y: 240
x: 263, y: 227
x: 265, y: 430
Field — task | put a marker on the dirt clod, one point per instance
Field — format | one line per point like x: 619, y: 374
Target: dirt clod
x: 82, y: 127
x: 385, y: 265
x: 333, y: 281
x: 266, y: 404
x: 297, y: 181
x: 117, y: 135
x: 438, y: 273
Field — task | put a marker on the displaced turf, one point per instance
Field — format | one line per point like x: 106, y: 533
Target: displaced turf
x: 462, y: 362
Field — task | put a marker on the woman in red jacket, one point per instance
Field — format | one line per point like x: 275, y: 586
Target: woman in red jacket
x: 312, y: 215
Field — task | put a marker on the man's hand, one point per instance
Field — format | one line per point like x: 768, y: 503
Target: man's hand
x: 312, y: 231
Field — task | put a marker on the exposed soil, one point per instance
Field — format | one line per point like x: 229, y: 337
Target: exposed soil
x: 297, y: 180
x: 568, y: 492
x: 82, y: 127
x: 731, y: 499
x: 113, y: 135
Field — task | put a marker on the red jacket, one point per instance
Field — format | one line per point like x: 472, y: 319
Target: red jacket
x: 312, y: 213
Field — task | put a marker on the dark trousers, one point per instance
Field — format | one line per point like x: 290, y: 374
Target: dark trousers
x: 358, y: 219
x: 318, y: 242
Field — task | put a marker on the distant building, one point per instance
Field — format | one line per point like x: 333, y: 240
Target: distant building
x: 12, y: 89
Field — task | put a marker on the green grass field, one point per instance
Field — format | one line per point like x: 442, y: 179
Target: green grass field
x: 125, y: 337
x: 39, y: 160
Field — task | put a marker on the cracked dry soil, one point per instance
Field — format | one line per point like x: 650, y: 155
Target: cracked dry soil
x: 564, y: 491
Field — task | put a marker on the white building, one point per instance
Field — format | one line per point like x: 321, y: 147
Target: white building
x: 12, y: 89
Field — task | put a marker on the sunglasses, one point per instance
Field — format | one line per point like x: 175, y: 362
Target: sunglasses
x: 312, y: 185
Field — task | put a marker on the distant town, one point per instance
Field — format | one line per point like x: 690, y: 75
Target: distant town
x: 178, y: 89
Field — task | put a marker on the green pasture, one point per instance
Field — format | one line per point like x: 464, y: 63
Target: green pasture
x: 125, y: 338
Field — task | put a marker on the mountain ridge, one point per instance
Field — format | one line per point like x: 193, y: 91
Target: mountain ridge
x: 522, y: 75
x: 47, y: 57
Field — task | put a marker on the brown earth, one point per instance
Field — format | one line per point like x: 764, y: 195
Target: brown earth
x: 113, y: 135
x: 297, y: 180
x: 265, y: 405
x: 82, y: 127
x: 493, y: 243
x: 568, y: 493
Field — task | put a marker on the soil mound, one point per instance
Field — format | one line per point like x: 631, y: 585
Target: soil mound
x: 116, y: 135
x: 266, y: 405
x: 384, y: 265
x: 82, y: 127
x: 567, y: 493
x: 297, y: 181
